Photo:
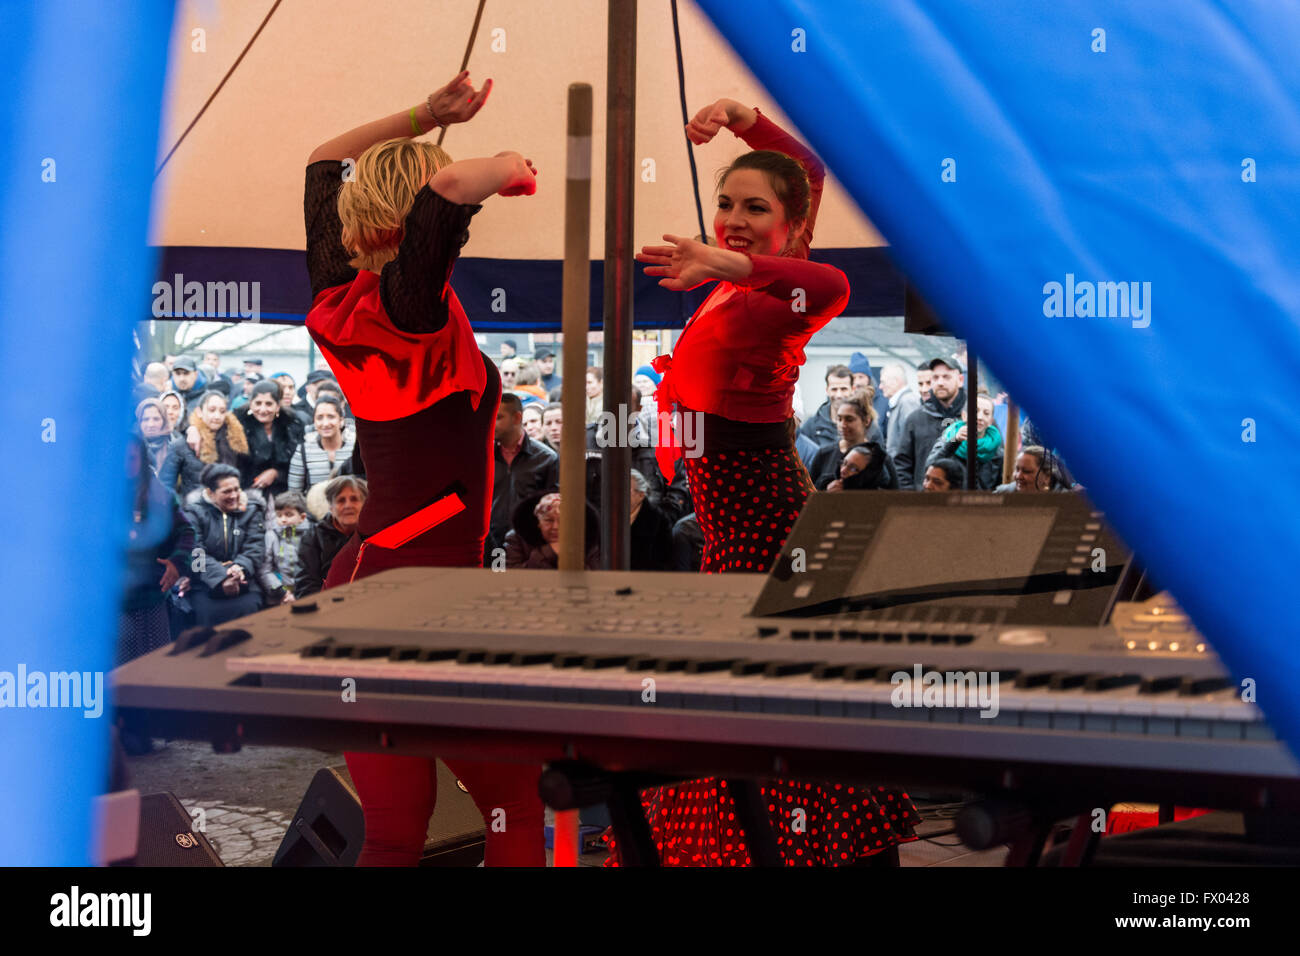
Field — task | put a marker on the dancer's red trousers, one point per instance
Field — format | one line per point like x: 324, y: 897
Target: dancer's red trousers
x: 398, y: 793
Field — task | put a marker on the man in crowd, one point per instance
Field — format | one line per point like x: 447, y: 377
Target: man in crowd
x: 522, y: 467
x: 185, y: 380
x: 547, y: 376
x: 923, y: 381
x: 508, y: 349
x: 211, y: 367
x: 552, y: 425
x: 902, y: 400
x: 821, y: 427
x: 923, y: 427
x: 253, y: 366
x: 153, y: 383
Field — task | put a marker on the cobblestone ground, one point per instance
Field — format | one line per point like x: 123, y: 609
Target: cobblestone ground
x: 245, y: 801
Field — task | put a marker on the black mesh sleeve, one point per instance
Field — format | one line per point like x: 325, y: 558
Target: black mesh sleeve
x: 327, y: 260
x: 413, y: 285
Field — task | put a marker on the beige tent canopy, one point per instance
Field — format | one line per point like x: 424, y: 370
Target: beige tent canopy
x: 323, y: 66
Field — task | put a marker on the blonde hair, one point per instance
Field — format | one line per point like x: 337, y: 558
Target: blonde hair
x: 374, y: 203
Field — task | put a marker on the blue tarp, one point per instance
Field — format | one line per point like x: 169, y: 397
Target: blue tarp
x: 1149, y: 143
x: 81, y: 88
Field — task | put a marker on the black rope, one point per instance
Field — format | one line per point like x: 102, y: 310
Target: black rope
x: 234, y: 66
x: 690, y: 152
x: 473, y: 32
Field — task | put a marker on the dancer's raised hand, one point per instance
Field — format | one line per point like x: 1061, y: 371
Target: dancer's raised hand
x: 458, y: 101
x: 688, y: 263
x: 731, y: 114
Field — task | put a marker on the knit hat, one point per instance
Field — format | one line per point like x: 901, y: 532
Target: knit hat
x: 649, y: 373
x: 858, y: 362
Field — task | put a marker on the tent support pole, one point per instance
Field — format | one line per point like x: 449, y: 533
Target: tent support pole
x: 620, y: 141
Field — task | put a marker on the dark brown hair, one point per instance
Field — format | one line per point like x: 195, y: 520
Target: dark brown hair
x: 787, y: 178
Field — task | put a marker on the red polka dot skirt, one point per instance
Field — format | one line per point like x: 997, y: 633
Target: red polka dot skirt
x: 816, y: 824
x: 746, y: 503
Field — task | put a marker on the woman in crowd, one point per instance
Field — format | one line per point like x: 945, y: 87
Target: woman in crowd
x: 853, y: 417
x: 952, y: 443
x: 735, y: 367
x: 322, y: 542
x: 229, y: 527
x: 645, y: 381
x: 273, y: 435
x: 173, y: 404
x: 595, y: 389
x: 158, y: 555
x: 151, y: 420
x: 322, y: 451
x: 535, y: 534
x: 552, y: 425
x: 215, y: 436
x: 381, y: 245
x: 1036, y: 470
x: 865, y: 467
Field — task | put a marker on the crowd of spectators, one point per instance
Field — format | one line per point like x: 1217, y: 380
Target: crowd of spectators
x: 246, y: 486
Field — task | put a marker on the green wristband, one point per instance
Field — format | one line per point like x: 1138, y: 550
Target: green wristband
x: 415, y: 127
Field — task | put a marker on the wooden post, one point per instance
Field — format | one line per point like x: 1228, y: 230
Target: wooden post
x: 1011, y: 441
x: 620, y: 178
x: 573, y: 435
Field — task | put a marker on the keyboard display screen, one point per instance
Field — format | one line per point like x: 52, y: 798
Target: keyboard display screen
x: 921, y: 547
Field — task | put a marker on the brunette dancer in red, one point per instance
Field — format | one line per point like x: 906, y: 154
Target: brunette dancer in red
x: 734, y: 368
x: 386, y: 218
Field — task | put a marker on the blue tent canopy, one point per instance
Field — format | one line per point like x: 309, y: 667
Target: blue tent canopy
x: 1018, y: 157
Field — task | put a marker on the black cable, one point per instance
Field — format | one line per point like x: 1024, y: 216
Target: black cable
x: 690, y: 153
x: 275, y: 6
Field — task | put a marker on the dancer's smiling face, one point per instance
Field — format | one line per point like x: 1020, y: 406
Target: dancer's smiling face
x: 750, y: 216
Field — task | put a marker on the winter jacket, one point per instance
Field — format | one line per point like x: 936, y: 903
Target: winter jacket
x: 901, y: 405
x: 182, y: 467
x: 280, y: 571
x: 526, y: 548
x: 920, y: 430
x: 988, y: 471
x: 238, y: 537
x: 317, y: 550
x: 274, y: 451
x: 161, y: 529
x: 535, y: 470
x: 651, y: 543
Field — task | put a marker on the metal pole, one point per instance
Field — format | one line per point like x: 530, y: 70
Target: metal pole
x: 577, y: 311
x: 972, y: 417
x: 620, y: 141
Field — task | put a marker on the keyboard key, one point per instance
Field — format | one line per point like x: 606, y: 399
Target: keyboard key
x: 963, y: 638
x: 1065, y: 680
x: 828, y: 671
x: 1100, y: 682
x: 1159, y: 685
x: 471, y: 656
x: 823, y: 635
x: 786, y: 668
x: 709, y: 666
x: 747, y: 668
x: 601, y: 661
x: 568, y: 659
x: 1193, y: 686
x: 1034, y: 679
x: 528, y: 658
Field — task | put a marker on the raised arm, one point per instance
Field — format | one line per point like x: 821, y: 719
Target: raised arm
x: 759, y: 132
x: 456, y: 102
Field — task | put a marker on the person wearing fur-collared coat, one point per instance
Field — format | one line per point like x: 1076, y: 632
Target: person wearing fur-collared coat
x: 221, y: 439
